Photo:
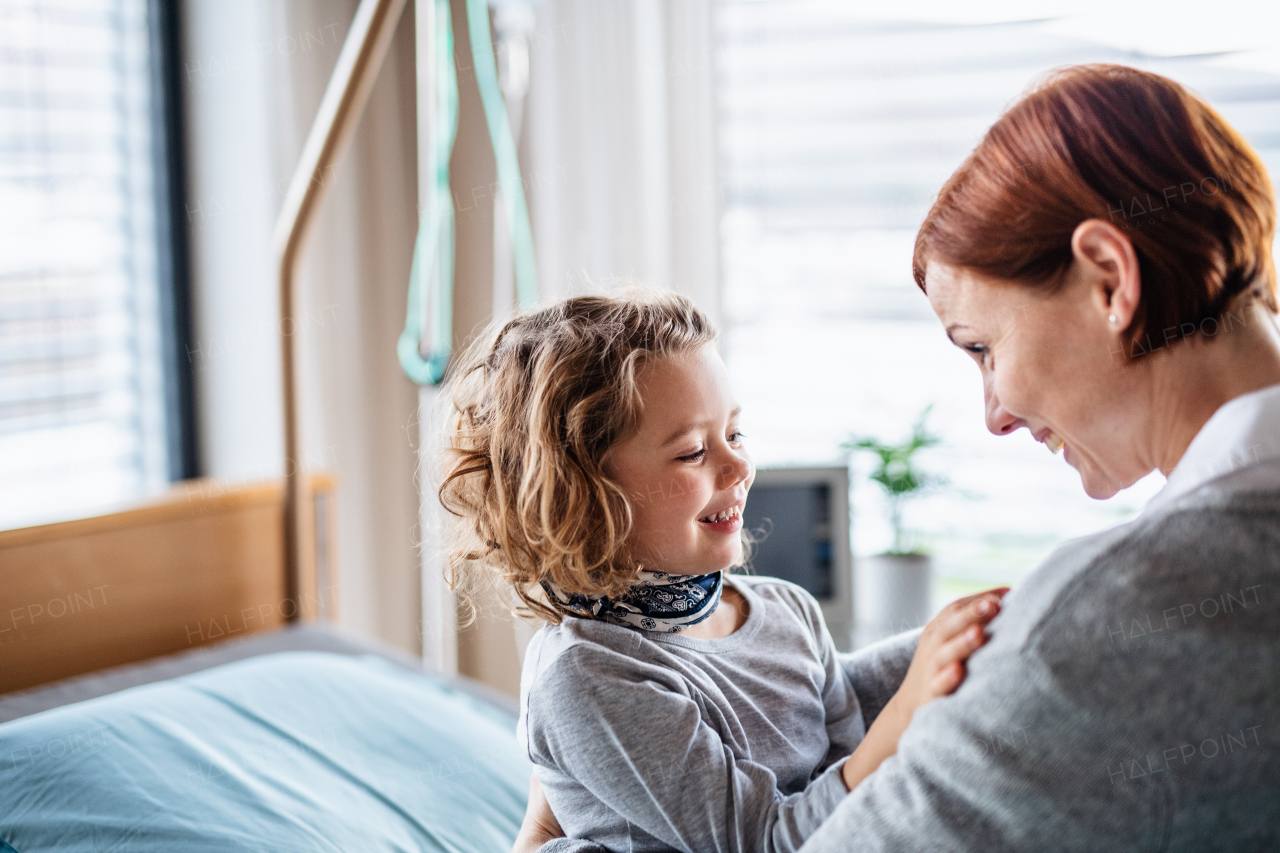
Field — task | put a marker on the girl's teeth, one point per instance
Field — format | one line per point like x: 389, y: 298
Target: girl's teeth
x: 731, y: 512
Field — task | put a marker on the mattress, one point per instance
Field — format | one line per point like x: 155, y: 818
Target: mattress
x: 270, y: 744
x: 315, y: 637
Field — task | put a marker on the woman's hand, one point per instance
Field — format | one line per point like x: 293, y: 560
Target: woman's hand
x: 938, y: 667
x: 936, y: 670
x: 540, y: 825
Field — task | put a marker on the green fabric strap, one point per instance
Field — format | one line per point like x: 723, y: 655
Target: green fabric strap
x: 433, y: 251
x: 433, y: 248
x: 504, y: 153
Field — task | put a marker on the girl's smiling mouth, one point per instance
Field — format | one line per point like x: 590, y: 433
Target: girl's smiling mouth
x: 728, y: 520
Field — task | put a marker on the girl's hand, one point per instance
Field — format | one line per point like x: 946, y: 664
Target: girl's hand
x: 938, y: 667
x: 936, y: 670
x: 540, y: 825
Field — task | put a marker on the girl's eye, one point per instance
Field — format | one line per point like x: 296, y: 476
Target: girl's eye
x: 736, y: 436
x: 694, y: 457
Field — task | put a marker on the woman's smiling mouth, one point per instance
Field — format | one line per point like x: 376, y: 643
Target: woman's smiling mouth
x: 1051, y: 440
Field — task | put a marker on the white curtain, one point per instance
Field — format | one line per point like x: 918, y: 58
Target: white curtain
x: 619, y: 146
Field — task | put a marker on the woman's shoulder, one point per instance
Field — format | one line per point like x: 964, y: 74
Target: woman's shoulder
x: 1149, y: 631
x: 1209, y: 538
x: 1174, y: 573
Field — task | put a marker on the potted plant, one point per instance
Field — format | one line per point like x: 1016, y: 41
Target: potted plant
x: 892, y: 589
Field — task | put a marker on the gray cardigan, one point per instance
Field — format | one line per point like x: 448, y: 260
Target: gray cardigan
x: 1129, y: 699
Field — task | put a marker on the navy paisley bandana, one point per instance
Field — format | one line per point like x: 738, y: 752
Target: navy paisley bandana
x: 658, y: 601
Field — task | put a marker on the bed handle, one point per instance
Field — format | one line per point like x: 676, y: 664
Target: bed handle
x: 344, y: 100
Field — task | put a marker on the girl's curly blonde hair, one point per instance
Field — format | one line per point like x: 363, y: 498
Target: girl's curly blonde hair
x: 533, y: 408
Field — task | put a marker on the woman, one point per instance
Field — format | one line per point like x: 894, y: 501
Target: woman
x: 1104, y: 256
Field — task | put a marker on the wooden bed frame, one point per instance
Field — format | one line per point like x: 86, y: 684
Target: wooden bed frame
x: 203, y: 563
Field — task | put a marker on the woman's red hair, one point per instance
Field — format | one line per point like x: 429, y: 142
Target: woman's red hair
x: 1128, y: 147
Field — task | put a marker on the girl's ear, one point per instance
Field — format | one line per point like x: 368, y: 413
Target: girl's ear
x: 1105, y: 256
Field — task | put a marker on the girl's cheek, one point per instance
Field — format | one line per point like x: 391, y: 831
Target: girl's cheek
x: 681, y: 500
x: 698, y: 499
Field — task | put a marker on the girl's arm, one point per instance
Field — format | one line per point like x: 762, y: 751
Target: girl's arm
x: 540, y: 825
x: 936, y: 669
x: 876, y: 671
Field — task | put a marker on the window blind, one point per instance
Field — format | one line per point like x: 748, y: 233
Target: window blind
x: 81, y: 396
x: 831, y: 123
x: 835, y: 132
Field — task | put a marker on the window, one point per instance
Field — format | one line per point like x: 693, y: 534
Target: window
x: 835, y: 133
x: 87, y: 307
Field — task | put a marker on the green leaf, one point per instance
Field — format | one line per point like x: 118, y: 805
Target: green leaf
x: 897, y: 471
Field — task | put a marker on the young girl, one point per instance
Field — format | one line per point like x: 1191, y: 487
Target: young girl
x: 595, y: 460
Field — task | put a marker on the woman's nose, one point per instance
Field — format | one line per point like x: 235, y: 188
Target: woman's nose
x: 1000, y: 421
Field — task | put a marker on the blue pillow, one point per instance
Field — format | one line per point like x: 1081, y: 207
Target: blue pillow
x: 299, y: 751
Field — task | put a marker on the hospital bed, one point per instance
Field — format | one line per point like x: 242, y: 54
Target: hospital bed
x: 170, y: 678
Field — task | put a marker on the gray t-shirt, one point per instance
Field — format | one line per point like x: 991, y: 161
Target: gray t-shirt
x: 652, y: 741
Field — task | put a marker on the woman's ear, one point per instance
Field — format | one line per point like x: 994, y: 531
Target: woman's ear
x: 1106, y: 257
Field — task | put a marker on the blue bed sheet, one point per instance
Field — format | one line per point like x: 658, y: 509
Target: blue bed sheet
x: 299, y: 751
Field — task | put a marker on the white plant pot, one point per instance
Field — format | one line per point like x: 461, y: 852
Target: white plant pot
x: 892, y: 594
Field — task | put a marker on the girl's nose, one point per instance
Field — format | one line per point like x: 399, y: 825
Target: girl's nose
x: 734, y: 470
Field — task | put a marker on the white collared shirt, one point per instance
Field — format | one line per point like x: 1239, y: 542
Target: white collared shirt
x: 1243, y: 433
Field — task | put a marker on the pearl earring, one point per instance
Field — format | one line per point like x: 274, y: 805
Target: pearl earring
x: 1112, y: 318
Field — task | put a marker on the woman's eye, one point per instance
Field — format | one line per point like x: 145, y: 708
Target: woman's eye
x: 693, y: 457
x: 977, y: 350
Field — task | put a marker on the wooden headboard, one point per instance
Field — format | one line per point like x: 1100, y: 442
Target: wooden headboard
x: 203, y: 563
